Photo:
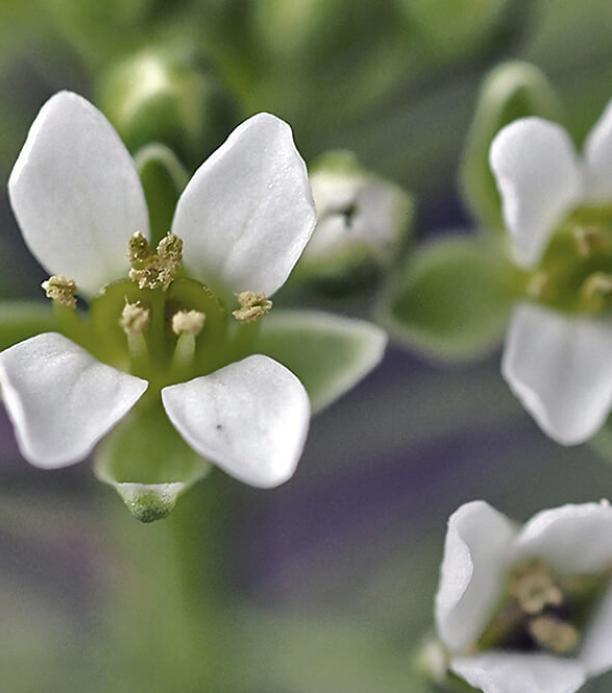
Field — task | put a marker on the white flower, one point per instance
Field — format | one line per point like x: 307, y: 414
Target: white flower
x: 527, y: 609
x: 558, y: 353
x: 244, y: 219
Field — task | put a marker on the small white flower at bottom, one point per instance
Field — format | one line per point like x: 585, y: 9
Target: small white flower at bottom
x: 527, y: 609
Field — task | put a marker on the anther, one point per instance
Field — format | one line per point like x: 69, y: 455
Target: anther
x: 61, y: 289
x: 253, y: 306
x: 589, y: 239
x: 188, y: 322
x: 139, y: 249
x: 553, y: 634
x: 534, y: 589
x: 135, y: 318
x: 596, y: 290
x: 540, y: 286
x: 154, y: 270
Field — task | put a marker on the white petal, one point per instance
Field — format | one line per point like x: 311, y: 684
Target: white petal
x: 596, y: 653
x: 471, y: 575
x: 539, y: 179
x: 598, y: 159
x: 501, y: 672
x: 76, y: 194
x: 248, y: 212
x: 560, y: 367
x: 61, y: 400
x: 250, y: 418
x: 572, y: 539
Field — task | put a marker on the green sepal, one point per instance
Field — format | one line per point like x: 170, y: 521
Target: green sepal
x: 163, y: 178
x: 21, y: 320
x: 511, y: 90
x: 451, y: 299
x: 329, y: 354
x: 146, y: 461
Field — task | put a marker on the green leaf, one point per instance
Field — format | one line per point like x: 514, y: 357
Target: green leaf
x: 148, y: 463
x: 512, y: 90
x: 329, y: 354
x: 163, y: 179
x: 452, y: 298
x: 21, y: 320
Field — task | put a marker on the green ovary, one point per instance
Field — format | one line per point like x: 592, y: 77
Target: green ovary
x: 575, y: 272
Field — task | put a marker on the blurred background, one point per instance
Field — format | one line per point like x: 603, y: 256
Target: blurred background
x: 326, y: 584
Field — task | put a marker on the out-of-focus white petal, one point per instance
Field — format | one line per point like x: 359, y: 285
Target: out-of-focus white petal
x: 61, y: 400
x: 598, y: 159
x: 596, y: 653
x: 76, y: 194
x: 560, y: 367
x: 248, y: 212
x: 573, y: 539
x: 471, y: 575
x: 539, y: 179
x: 250, y: 418
x: 502, y: 672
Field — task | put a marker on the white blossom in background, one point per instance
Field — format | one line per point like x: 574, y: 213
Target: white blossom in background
x: 239, y: 227
x: 527, y: 609
x: 557, y: 208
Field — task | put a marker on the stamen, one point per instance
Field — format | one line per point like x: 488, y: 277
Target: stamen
x: 139, y: 249
x: 596, y: 290
x: 534, y: 589
x: 60, y: 289
x: 553, y: 634
x: 154, y: 270
x: 540, y: 286
x: 589, y: 239
x: 188, y: 322
x: 253, y: 306
x: 135, y: 318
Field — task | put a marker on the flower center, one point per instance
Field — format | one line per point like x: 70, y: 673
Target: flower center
x: 542, y: 611
x: 158, y: 323
x: 575, y: 273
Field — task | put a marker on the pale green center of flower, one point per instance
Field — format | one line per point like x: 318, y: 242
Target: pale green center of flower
x: 543, y: 611
x: 575, y: 273
x: 158, y: 323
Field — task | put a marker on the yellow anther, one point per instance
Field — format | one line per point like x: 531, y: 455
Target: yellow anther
x: 188, y: 322
x: 553, y: 634
x: 596, y: 290
x: 589, y: 240
x: 135, y: 318
x: 253, y: 306
x: 170, y: 248
x: 154, y: 270
x: 139, y: 249
x: 61, y: 289
x: 540, y: 286
x: 534, y: 589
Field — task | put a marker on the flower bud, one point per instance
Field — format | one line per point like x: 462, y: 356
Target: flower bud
x: 157, y: 97
x: 362, y: 224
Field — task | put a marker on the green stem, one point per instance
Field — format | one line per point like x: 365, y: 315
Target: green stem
x: 166, y: 615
